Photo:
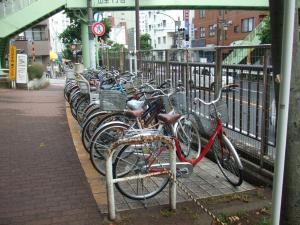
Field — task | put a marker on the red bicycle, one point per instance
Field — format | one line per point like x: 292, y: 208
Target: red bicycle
x: 154, y: 157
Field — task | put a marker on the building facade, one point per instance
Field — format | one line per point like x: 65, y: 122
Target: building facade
x: 224, y: 27
x: 35, y: 42
x: 57, y: 24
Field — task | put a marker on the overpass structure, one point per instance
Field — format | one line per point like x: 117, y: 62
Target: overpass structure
x: 18, y: 15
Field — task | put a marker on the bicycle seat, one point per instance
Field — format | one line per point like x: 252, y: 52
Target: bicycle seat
x: 134, y: 113
x: 135, y: 104
x: 93, y: 88
x: 168, y: 118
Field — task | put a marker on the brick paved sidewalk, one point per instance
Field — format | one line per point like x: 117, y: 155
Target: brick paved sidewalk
x: 41, y: 180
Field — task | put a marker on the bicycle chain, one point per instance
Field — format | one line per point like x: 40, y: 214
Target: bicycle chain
x: 187, y: 192
x: 207, y: 211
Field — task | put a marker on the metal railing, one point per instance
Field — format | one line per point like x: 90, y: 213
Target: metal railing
x: 10, y: 6
x: 251, y: 108
x: 139, y: 139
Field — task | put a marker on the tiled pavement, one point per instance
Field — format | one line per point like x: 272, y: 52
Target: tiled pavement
x: 41, y: 179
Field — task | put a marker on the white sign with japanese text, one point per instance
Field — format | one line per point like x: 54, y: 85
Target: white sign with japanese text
x: 22, y: 77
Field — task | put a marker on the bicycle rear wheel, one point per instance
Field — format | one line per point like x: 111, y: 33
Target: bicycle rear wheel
x: 228, y: 161
x: 134, y: 160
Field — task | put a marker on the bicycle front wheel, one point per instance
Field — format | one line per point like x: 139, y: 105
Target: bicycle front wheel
x: 140, y: 160
x: 228, y: 161
x: 187, y: 134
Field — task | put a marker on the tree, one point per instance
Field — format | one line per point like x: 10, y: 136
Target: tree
x: 72, y: 34
x: 265, y: 33
x: 145, y: 42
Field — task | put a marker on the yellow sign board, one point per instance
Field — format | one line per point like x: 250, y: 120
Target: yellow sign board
x: 12, y: 62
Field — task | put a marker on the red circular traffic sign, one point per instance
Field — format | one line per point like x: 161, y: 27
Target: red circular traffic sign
x: 98, y: 29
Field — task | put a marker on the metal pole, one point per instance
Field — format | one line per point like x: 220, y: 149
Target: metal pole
x: 284, y: 95
x: 91, y: 36
x: 137, y: 24
x: 130, y: 63
x: 218, y: 73
x: 172, y: 185
x: 85, y: 44
x: 265, y: 110
x: 110, y: 188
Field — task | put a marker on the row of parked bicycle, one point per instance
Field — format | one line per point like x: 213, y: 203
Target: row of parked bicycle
x: 109, y: 106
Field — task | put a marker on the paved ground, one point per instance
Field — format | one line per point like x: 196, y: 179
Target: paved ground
x: 41, y: 179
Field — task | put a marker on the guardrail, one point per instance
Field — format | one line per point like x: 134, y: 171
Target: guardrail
x: 139, y: 139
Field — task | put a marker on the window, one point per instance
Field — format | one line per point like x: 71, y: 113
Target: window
x: 37, y: 34
x: 247, y: 24
x: 202, y: 32
x: 202, y: 13
x: 158, y: 40
x: 149, y: 14
x: 237, y: 29
x: 164, y: 23
x: 149, y: 27
x: 164, y: 39
x: 212, y: 30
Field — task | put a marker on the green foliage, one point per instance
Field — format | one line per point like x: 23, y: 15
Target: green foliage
x: 35, y: 70
x: 145, y: 42
x: 72, y: 34
x: 265, y: 33
x: 67, y: 53
x: 117, y: 47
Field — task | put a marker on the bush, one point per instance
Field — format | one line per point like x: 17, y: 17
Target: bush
x: 35, y: 71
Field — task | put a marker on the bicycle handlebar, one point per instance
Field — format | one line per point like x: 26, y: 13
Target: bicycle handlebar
x: 219, y: 95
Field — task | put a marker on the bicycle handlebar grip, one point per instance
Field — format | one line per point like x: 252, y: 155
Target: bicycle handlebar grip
x: 232, y: 85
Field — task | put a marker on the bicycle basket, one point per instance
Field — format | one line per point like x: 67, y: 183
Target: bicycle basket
x: 112, y: 100
x: 140, y: 132
x: 178, y: 102
x: 129, y: 88
x: 222, y: 110
x: 84, y: 86
x: 208, y: 120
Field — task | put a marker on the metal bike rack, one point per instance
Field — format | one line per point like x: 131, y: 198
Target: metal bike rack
x: 139, y: 139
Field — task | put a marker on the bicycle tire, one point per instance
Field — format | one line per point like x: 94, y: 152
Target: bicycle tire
x: 127, y: 163
x: 118, y: 116
x: 187, y: 133
x: 232, y: 173
x: 101, y: 142
x: 81, y: 106
x: 88, y: 129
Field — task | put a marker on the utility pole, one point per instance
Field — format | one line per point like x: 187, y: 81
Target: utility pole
x: 290, y: 209
x: 287, y: 164
x: 91, y: 35
x: 137, y: 24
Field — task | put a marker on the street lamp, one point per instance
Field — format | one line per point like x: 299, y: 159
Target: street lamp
x: 176, y: 23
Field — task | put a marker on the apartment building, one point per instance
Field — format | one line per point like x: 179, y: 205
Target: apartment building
x: 224, y: 27
x: 35, y: 42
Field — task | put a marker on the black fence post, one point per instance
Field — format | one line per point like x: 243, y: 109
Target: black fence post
x: 265, y: 109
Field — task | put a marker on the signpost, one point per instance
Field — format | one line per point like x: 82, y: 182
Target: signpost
x: 98, y: 29
x: 98, y: 17
x: 12, y: 63
x: 22, y: 77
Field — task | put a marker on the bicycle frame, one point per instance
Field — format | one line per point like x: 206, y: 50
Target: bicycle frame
x: 217, y: 132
